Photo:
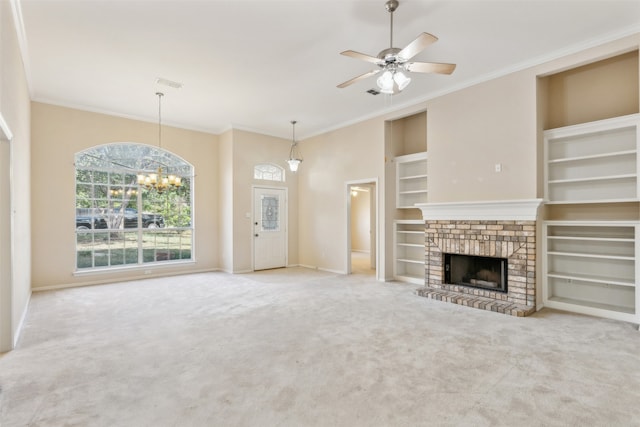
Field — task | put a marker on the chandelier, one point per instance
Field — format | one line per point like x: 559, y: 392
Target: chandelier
x: 295, y: 158
x: 159, y: 181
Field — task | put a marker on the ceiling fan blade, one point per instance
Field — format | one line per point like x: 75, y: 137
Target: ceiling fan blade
x: 362, y: 56
x: 430, y: 67
x: 417, y: 46
x: 360, y: 77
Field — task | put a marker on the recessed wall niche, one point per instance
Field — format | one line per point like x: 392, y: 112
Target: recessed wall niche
x: 408, y: 134
x: 595, y: 91
x: 406, y: 167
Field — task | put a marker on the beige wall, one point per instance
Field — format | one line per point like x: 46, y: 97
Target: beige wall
x: 331, y: 160
x: 472, y: 130
x: 57, y: 134
x: 223, y: 191
x: 15, y: 108
x: 225, y: 202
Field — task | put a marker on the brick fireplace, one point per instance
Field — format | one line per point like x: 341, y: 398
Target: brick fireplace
x: 486, y: 230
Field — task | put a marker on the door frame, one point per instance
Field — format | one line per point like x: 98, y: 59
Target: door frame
x: 375, y: 246
x: 253, y: 221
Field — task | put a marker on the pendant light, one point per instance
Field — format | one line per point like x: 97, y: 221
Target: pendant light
x: 295, y: 158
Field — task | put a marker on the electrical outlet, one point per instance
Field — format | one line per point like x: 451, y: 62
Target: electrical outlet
x: 147, y: 272
x: 498, y: 167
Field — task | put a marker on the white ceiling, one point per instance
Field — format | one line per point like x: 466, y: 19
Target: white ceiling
x: 257, y: 65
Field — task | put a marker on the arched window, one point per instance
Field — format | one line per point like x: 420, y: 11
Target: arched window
x: 121, y: 223
x: 268, y: 172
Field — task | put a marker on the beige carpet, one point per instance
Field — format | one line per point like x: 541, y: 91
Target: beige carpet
x: 296, y: 347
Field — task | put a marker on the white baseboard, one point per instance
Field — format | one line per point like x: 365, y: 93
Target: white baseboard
x: 311, y: 267
x: 121, y: 279
x: 328, y: 270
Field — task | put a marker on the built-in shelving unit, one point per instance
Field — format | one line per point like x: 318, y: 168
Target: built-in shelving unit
x: 589, y: 250
x: 409, y: 251
x: 406, y: 167
x: 411, y: 180
x: 591, y: 268
x: 595, y: 162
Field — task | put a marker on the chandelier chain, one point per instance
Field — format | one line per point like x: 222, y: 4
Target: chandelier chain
x: 160, y: 95
x: 159, y: 181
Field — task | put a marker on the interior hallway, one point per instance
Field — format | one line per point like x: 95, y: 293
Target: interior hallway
x: 298, y: 347
x: 361, y: 263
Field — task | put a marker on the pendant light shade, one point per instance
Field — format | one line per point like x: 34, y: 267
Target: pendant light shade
x: 401, y: 80
x: 295, y: 158
x: 385, y: 82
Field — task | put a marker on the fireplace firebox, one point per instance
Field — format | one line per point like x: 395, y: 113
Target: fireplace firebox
x: 476, y: 271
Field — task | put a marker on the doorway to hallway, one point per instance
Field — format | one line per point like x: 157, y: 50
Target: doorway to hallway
x: 362, y: 227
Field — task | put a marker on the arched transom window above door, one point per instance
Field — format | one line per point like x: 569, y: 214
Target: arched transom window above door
x: 268, y: 172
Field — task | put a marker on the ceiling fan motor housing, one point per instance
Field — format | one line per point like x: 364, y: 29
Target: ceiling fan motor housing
x: 390, y: 55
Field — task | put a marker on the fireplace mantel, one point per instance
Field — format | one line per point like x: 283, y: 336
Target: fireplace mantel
x: 496, y: 210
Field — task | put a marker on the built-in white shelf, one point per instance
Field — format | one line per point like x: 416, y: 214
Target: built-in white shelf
x: 591, y: 267
x: 593, y: 162
x: 409, y: 251
x: 411, y: 180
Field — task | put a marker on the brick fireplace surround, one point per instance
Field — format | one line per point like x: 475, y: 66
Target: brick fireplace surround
x: 502, y: 229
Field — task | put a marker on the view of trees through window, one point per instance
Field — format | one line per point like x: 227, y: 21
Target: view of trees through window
x: 119, y: 222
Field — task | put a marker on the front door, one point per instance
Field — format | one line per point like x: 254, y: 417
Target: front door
x: 269, y: 228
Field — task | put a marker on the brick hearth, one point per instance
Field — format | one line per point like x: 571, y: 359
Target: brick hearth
x: 474, y: 301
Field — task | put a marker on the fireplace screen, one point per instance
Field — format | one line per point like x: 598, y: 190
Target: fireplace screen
x: 476, y: 271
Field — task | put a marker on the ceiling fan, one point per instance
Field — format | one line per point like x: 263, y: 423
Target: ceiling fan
x: 393, y: 62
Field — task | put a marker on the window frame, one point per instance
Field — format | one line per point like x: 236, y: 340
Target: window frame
x: 114, y: 237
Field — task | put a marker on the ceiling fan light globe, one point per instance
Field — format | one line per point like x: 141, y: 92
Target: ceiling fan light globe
x: 401, y: 80
x: 385, y: 82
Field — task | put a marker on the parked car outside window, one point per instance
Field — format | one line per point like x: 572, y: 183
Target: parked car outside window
x: 149, y: 220
x: 99, y: 221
